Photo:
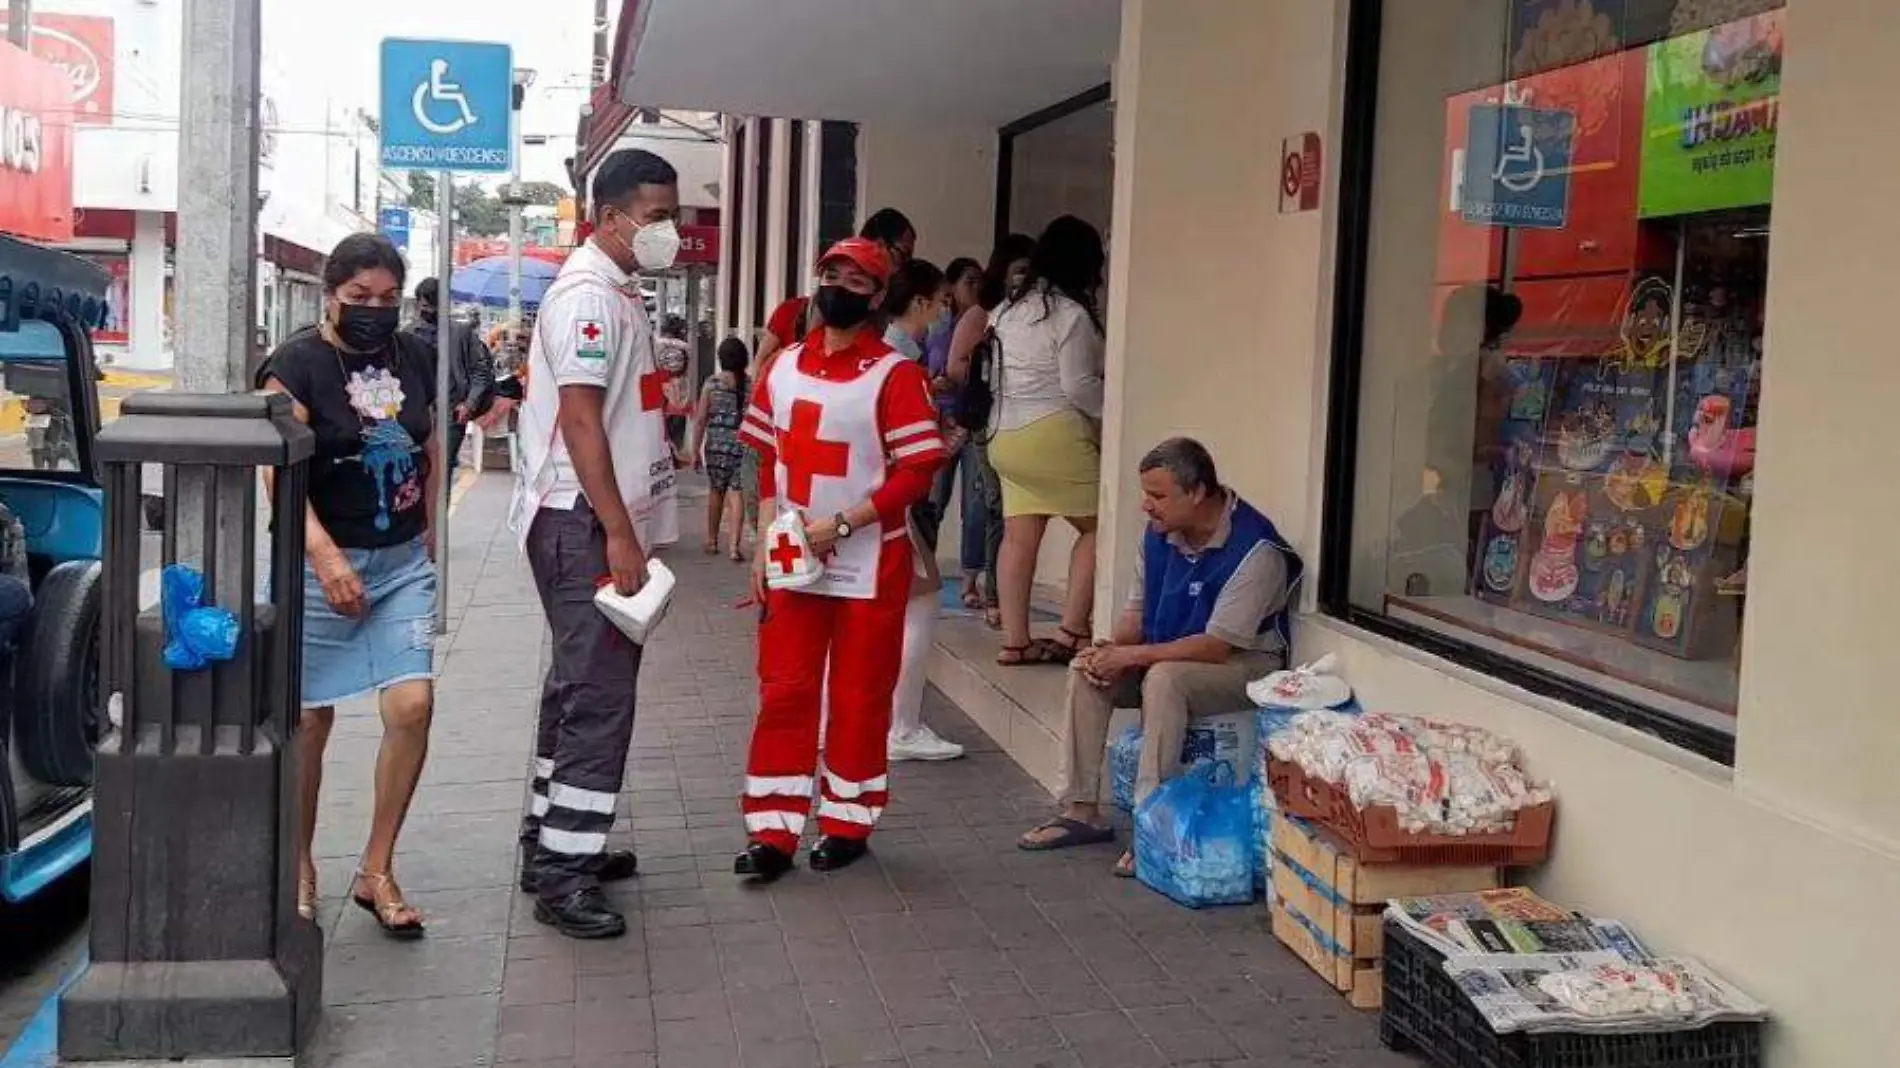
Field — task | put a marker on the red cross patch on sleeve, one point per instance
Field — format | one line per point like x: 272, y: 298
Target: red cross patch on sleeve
x: 590, y: 339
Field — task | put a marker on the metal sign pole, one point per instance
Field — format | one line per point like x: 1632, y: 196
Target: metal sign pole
x: 444, y: 325
x: 20, y: 22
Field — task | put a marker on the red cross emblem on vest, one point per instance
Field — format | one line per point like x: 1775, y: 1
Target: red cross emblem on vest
x: 807, y: 455
x: 591, y: 331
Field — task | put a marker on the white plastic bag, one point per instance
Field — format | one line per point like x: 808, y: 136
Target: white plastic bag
x: 636, y: 616
x: 789, y: 562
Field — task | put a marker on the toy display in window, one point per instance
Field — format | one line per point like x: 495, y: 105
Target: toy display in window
x: 1716, y: 448
x: 1509, y: 511
x: 1553, y: 573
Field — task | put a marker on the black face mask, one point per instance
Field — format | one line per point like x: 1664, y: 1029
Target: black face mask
x: 427, y: 315
x: 841, y: 308
x: 364, y: 328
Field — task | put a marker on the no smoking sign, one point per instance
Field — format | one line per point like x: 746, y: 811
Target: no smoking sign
x: 1299, y: 173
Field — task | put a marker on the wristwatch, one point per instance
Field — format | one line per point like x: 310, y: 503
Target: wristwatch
x: 843, y: 524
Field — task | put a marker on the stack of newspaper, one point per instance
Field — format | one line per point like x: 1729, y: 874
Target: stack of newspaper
x: 1528, y: 965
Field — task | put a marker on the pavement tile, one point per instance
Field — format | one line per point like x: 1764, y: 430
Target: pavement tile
x: 857, y: 1047
x: 533, y: 1032
x: 920, y: 1039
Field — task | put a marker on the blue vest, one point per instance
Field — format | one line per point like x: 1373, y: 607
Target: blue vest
x: 1178, y: 594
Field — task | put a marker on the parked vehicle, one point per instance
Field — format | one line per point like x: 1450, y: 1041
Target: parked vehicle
x: 51, y: 712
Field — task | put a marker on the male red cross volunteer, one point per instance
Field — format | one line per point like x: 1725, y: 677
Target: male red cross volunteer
x: 848, y: 440
x: 595, y: 493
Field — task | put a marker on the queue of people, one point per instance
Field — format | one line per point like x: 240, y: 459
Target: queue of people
x: 981, y: 383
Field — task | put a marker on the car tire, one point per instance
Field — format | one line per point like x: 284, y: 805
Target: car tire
x: 56, y: 685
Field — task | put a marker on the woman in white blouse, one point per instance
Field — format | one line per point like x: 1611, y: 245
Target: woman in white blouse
x: 1047, y: 425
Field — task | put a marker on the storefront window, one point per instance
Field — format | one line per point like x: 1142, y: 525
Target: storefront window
x: 1559, y: 350
x: 1064, y: 166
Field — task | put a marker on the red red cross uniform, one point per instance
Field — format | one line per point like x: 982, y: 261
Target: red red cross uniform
x: 832, y: 431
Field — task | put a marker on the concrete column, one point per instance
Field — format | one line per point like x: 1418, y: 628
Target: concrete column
x: 751, y: 317
x: 778, y: 195
x: 814, y: 203
x: 217, y: 194
x: 729, y: 208
x: 1816, y: 733
x: 1204, y: 264
x: 146, y: 346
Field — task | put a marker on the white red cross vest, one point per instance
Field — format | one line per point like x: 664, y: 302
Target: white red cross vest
x: 831, y: 458
x: 632, y: 410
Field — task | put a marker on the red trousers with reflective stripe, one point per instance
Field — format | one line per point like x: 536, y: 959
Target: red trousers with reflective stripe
x: 863, y: 644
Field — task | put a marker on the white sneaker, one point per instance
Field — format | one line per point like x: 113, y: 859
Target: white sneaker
x: 922, y: 744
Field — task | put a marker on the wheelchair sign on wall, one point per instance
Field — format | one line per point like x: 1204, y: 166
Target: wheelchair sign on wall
x: 1517, y: 166
x: 446, y: 104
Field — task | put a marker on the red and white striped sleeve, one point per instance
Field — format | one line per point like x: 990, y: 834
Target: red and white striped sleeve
x: 907, y: 417
x: 913, y: 442
x: 756, y: 429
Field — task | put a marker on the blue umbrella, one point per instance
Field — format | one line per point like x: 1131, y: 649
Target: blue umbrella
x: 485, y: 282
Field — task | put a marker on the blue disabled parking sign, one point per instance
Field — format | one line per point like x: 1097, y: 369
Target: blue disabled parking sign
x: 446, y: 105
x: 1518, y: 163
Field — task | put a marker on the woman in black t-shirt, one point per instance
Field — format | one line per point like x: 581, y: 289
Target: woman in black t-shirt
x: 369, y: 572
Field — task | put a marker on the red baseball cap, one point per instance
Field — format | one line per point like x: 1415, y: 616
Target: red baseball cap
x: 866, y: 254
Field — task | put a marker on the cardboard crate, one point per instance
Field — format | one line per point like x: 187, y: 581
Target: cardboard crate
x: 1327, y: 906
x: 1354, y: 977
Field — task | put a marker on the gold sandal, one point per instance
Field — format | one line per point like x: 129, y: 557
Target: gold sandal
x: 307, y: 897
x: 386, y: 904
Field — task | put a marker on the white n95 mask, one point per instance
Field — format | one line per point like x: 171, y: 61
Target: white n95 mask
x: 657, y: 245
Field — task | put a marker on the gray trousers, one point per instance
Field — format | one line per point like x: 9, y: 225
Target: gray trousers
x: 587, y: 705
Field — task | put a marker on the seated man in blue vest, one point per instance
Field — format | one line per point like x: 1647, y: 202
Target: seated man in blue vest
x: 1207, y: 614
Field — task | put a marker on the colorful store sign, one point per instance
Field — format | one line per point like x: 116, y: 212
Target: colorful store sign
x: 36, y: 148
x: 1712, y: 109
x: 1517, y: 166
x: 699, y: 245
x: 81, y: 47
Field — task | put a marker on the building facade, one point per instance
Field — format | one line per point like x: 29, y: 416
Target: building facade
x: 1551, y: 333
x: 319, y: 177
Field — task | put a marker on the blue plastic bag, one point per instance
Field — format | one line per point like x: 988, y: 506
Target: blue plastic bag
x: 1195, y: 839
x: 1124, y: 762
x: 195, y: 633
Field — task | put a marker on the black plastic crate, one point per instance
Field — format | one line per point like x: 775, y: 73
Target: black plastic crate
x: 1425, y: 1012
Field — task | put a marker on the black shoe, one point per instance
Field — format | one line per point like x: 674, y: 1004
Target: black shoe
x: 762, y: 862
x: 617, y: 865
x: 584, y: 913
x: 833, y: 853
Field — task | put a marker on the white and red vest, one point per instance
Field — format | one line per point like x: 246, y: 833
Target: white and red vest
x: 831, y: 457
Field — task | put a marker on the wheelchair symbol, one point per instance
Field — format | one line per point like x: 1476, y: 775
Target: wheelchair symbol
x: 440, y: 89
x: 1529, y: 160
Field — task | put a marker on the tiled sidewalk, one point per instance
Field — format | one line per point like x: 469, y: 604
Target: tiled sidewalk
x: 948, y: 948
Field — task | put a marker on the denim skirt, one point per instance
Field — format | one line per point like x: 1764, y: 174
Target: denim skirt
x: 393, y: 643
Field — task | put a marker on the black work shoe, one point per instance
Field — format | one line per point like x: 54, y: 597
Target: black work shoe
x: 584, y: 913
x: 616, y: 865
x: 833, y: 853
x: 762, y: 862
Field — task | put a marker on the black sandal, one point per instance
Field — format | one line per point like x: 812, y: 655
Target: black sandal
x: 1038, y: 652
x: 1071, y: 642
x: 1074, y: 833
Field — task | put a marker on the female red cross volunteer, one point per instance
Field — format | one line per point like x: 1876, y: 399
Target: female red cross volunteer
x: 848, y: 440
